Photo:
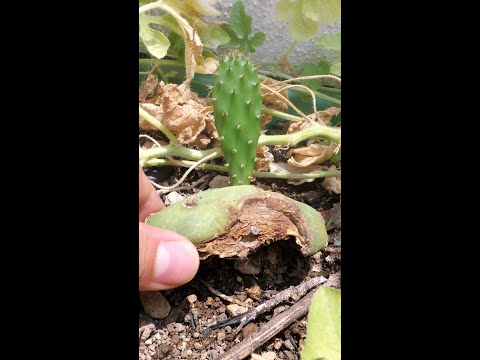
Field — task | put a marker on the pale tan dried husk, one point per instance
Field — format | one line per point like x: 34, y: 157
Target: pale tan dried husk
x: 264, y: 159
x: 314, y: 153
x: 333, y: 183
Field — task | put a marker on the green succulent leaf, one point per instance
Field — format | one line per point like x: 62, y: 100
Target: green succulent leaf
x: 239, y: 29
x: 155, y: 41
x: 240, y: 22
x: 330, y: 42
x: 213, y: 36
x: 323, y: 326
x: 258, y: 39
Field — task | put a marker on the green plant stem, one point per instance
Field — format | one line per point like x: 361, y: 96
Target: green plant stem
x: 329, y: 132
x: 158, y: 125
x: 288, y: 77
x: 150, y: 62
x: 281, y: 114
x: 177, y: 150
x: 259, y: 174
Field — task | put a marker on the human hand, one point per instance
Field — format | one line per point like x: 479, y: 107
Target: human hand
x: 167, y: 259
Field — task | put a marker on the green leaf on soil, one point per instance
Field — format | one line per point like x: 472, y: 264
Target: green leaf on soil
x: 323, y: 326
x: 155, y: 41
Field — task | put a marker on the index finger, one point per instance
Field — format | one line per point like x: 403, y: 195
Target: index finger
x: 149, y: 201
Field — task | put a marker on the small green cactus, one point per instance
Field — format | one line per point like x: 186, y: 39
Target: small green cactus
x: 237, y: 101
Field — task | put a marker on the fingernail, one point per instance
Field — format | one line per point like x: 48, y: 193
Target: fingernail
x: 176, y: 262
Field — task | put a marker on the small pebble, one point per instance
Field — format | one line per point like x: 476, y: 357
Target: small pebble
x: 219, y: 181
x: 288, y: 344
x: 155, y: 304
x: 175, y: 327
x: 163, y: 349
x: 249, y: 329
x: 234, y: 309
x: 192, y: 298
x: 175, y: 339
x: 221, y: 335
x: 269, y: 355
x: 196, y: 335
x: 172, y: 198
x: 149, y: 342
x: 145, y: 332
x: 197, y: 345
x: 278, y: 344
x: 239, y: 279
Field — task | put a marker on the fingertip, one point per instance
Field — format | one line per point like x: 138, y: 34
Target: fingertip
x: 167, y: 259
x: 176, y: 263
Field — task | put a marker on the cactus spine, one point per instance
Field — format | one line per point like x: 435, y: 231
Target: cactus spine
x: 237, y: 101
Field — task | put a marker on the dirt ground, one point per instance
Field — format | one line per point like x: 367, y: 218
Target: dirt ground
x: 194, y: 306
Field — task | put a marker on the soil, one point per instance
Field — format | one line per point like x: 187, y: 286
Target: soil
x: 180, y: 334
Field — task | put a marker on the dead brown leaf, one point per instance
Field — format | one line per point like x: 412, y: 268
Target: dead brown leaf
x: 184, y: 113
x: 264, y: 159
x: 302, y: 124
x: 287, y: 66
x: 273, y: 100
x: 333, y: 183
x: 148, y: 87
x: 264, y: 120
x: 152, y: 110
x: 315, y: 153
x: 327, y: 114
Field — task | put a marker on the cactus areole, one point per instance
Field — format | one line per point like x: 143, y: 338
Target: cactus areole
x: 237, y: 101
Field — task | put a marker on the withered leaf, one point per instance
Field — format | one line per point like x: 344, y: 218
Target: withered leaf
x: 148, y: 87
x: 315, y: 153
x: 182, y: 111
x: 273, y: 100
x: 152, y: 110
x: 333, y: 183
x: 264, y: 159
x: 327, y: 114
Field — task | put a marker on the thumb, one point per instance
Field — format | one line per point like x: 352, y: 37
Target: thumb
x: 167, y: 259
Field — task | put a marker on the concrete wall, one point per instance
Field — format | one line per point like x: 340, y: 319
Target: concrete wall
x: 278, y: 38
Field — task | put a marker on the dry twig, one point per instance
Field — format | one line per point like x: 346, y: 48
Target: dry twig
x: 294, y: 292
x: 268, y: 330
